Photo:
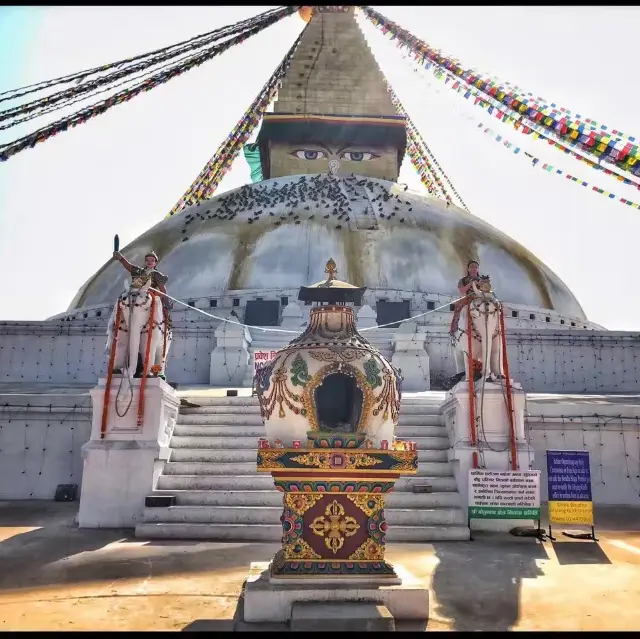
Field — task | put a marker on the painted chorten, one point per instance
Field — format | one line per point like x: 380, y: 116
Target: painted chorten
x: 330, y: 405
x: 330, y: 387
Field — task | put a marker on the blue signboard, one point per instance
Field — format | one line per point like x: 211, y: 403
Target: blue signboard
x: 569, y: 485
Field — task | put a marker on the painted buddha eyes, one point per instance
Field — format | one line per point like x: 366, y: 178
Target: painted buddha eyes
x: 358, y: 156
x: 307, y: 154
x: 350, y: 156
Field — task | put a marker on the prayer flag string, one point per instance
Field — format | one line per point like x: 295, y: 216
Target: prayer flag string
x: 218, y: 166
x: 624, y: 156
x: 29, y: 141
x: 500, y: 113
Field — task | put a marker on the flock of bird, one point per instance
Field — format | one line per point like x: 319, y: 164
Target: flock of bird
x: 318, y: 195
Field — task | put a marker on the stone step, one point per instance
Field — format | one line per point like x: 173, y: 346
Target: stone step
x: 430, y: 398
x: 266, y: 341
x: 273, y: 533
x: 249, y: 454
x: 211, y: 400
x: 254, y: 419
x: 217, y: 431
x: 271, y: 515
x: 438, y: 469
x: 221, y: 418
x: 346, y: 616
x: 264, y: 481
x: 409, y: 409
x: 251, y: 481
x: 243, y: 409
x: 214, y: 443
x: 411, y: 432
x: 416, y: 432
x: 236, y: 440
x: 459, y: 532
x: 274, y: 497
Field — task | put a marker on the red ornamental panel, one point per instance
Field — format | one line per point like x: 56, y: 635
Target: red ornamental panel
x: 335, y: 527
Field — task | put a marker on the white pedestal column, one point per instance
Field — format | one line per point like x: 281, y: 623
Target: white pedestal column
x: 291, y: 317
x: 122, y: 468
x: 492, y: 435
x: 366, y: 317
x: 230, y: 358
x: 411, y: 358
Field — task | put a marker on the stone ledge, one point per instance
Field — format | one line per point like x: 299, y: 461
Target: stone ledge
x: 267, y: 602
x: 340, y: 615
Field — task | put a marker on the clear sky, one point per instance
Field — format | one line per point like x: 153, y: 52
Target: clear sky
x: 62, y: 202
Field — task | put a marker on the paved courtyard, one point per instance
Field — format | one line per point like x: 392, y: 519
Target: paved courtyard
x: 54, y: 576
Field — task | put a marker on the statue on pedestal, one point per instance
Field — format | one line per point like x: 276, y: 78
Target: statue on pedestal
x: 484, y: 308
x: 140, y: 322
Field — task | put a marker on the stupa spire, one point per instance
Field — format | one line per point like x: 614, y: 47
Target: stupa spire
x: 333, y: 71
x: 333, y: 105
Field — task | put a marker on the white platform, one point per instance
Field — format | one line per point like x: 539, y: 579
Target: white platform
x: 122, y: 465
x: 493, y: 441
x: 265, y: 601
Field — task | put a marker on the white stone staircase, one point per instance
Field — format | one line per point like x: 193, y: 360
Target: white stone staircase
x: 220, y: 495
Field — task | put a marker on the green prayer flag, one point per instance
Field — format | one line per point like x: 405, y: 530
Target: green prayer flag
x: 252, y: 156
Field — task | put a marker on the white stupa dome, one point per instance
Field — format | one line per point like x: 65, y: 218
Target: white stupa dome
x: 276, y: 234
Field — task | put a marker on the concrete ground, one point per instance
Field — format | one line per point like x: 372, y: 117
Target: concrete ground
x: 54, y: 576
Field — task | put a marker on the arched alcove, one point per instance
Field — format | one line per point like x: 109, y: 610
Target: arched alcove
x: 338, y: 404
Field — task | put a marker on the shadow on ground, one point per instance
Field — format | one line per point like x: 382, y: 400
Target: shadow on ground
x: 477, y: 584
x: 579, y: 553
x: 237, y: 624
x: 61, y: 553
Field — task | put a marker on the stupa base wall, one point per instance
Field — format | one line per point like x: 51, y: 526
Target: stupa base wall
x: 544, y: 361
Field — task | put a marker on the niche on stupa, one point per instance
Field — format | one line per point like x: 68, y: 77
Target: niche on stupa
x: 338, y: 404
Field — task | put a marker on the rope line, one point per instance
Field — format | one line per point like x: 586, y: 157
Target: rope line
x: 283, y: 330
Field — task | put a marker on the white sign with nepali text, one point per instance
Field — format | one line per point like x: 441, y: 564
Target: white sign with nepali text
x: 504, y: 494
x: 262, y: 358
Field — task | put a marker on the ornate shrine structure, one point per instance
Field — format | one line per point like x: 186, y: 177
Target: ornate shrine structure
x: 330, y: 390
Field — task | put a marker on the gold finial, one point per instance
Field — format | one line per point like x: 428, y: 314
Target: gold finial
x: 331, y: 269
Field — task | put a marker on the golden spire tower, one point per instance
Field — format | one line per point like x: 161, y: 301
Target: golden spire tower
x: 333, y: 92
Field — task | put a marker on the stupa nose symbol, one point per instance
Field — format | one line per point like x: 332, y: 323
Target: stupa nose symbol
x: 331, y: 269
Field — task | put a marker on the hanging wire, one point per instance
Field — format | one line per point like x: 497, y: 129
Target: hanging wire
x: 430, y: 163
x: 81, y: 75
x: 69, y: 103
x: 29, y: 141
x: 61, y: 99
